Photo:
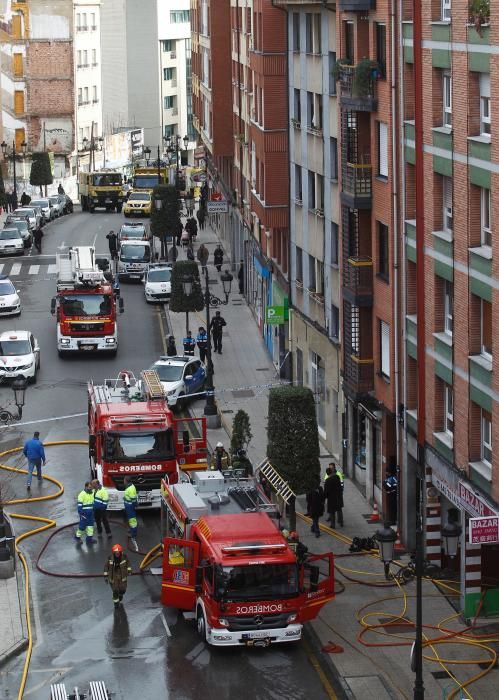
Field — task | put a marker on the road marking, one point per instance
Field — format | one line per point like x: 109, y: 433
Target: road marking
x: 52, y: 269
x: 162, y: 331
x: 43, y: 420
x: 318, y: 669
x: 168, y: 633
x: 16, y: 269
x: 33, y: 269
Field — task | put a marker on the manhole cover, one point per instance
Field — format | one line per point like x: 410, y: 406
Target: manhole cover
x: 243, y: 393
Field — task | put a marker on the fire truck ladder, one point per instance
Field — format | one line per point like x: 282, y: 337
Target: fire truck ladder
x: 152, y: 384
x: 279, y: 485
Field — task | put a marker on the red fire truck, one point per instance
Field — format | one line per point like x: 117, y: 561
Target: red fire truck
x: 133, y: 432
x: 86, y: 304
x: 225, y: 559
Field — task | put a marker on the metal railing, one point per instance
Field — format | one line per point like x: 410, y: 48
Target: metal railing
x: 358, y: 275
x: 351, y: 88
x: 357, y: 179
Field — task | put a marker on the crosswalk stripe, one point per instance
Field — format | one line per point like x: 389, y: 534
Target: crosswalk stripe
x: 52, y: 269
x: 16, y: 269
x: 33, y: 269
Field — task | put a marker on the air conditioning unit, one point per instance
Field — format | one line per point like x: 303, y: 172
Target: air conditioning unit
x: 299, y: 202
x: 320, y: 212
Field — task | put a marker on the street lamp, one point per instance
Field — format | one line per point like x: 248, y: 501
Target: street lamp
x: 173, y: 146
x: 386, y: 542
x: 451, y: 532
x: 147, y: 154
x: 13, y: 156
x: 210, y: 301
x: 19, y: 385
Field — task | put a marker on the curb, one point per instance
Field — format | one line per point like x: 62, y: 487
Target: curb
x: 13, y: 651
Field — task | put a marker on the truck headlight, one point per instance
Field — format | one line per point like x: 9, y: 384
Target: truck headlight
x: 292, y: 618
x: 65, y: 341
x: 110, y: 341
x: 222, y: 621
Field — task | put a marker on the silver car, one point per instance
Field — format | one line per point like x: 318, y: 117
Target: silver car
x: 45, y: 206
x: 57, y: 204
x: 23, y: 228
x: 34, y: 218
x: 11, y: 242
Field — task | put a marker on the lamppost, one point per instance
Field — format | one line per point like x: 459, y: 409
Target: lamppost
x: 451, y: 533
x: 18, y: 386
x: 13, y: 156
x: 158, y: 205
x: 173, y: 146
x: 147, y: 154
x: 210, y: 301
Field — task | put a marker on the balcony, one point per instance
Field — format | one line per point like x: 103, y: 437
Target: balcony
x: 358, y: 362
x: 356, y: 185
x: 358, y: 375
x: 356, y: 5
x: 358, y: 280
x: 358, y: 85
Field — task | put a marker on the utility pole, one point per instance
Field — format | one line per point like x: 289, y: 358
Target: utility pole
x: 92, y: 152
x: 45, y: 149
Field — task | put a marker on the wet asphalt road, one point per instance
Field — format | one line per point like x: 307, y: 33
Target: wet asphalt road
x: 143, y: 650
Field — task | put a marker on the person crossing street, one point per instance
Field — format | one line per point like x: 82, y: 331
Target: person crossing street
x: 101, y: 502
x: 37, y: 238
x: 130, y: 501
x: 86, y: 514
x: 112, y: 240
x: 35, y: 454
x: 116, y: 573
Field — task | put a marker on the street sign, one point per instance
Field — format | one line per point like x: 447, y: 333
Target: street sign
x: 274, y: 315
x: 484, y: 530
x: 220, y: 207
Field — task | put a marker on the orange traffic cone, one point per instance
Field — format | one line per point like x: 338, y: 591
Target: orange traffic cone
x: 375, y: 514
x: 398, y: 546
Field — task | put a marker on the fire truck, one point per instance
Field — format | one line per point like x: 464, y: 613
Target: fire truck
x: 132, y: 432
x: 145, y: 178
x: 86, y: 304
x: 226, y: 560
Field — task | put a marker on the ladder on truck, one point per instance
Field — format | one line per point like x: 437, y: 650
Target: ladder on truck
x: 78, y: 267
x: 97, y: 691
x: 279, y: 485
x: 152, y: 384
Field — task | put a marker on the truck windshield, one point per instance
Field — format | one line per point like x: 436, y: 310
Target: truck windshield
x: 131, y: 251
x: 154, y: 445
x: 107, y: 179
x: 86, y: 305
x: 146, y: 181
x: 262, y: 581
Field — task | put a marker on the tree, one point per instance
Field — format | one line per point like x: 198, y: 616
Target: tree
x: 293, y: 439
x: 165, y: 219
x: 41, y: 171
x: 179, y: 302
x: 240, y: 439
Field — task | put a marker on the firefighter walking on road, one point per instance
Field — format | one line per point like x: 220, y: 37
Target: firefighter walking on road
x: 130, y: 500
x: 116, y: 573
x: 86, y: 514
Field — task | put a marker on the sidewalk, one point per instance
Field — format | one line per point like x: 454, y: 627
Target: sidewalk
x: 241, y: 377
x: 12, y: 636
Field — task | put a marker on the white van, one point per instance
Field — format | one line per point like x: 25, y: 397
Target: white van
x: 133, y: 258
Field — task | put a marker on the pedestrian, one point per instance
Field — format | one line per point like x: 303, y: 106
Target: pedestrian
x: 116, y: 573
x: 173, y: 254
x: 35, y: 454
x: 37, y: 237
x: 218, y: 257
x: 189, y: 344
x: 333, y: 492
x: 390, y: 487
x: 220, y: 459
x: 25, y: 199
x: 171, y: 348
x: 216, y: 328
x: 202, y: 343
x: 203, y: 255
x: 185, y: 239
x: 60, y: 189
x: 190, y: 252
x: 86, y: 514
x: 240, y: 277
x: 10, y: 200
x: 101, y: 502
x: 112, y: 240
x: 315, y: 508
x: 201, y: 216
x: 192, y: 228
x: 130, y: 501
x: 178, y: 231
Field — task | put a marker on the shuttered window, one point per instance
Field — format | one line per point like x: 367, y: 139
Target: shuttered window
x: 447, y: 203
x: 384, y: 332
x: 19, y: 101
x: 17, y: 64
x: 382, y: 149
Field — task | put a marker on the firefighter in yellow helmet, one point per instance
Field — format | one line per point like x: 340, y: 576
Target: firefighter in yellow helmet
x: 116, y: 573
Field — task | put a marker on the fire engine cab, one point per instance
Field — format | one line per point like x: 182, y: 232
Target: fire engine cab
x: 86, y: 304
x: 132, y: 432
x: 226, y: 560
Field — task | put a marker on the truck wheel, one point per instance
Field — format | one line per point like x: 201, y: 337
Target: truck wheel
x: 201, y: 624
x: 119, y: 207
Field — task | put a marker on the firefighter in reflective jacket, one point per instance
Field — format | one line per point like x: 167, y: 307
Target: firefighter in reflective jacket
x: 86, y: 514
x: 116, y: 573
x: 130, y: 500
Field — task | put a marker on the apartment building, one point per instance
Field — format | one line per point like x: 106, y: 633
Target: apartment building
x: 457, y: 370
x: 37, y: 79
x: 88, y: 74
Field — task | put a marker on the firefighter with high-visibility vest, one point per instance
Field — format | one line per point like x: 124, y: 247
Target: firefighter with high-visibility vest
x: 86, y: 514
x: 130, y: 501
x: 116, y: 573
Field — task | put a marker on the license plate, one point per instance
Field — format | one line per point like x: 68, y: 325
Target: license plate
x: 109, y: 201
x: 87, y: 347
x: 256, y: 635
x: 134, y: 277
x: 144, y: 496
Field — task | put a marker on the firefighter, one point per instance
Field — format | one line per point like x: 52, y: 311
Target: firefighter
x: 116, y: 573
x: 130, y: 500
x: 298, y: 547
x: 220, y: 458
x: 86, y: 514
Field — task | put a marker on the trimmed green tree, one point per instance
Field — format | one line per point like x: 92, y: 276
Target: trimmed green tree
x: 179, y: 301
x: 41, y: 171
x: 293, y: 440
x: 240, y: 439
x: 165, y: 219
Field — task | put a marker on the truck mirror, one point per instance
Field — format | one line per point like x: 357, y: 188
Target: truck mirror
x: 121, y: 305
x: 52, y: 305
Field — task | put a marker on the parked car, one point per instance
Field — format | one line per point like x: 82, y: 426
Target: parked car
x: 22, y: 225
x: 46, y: 207
x: 57, y: 203
x: 33, y: 218
x: 157, y: 283
x: 19, y: 355
x: 10, y: 304
x: 131, y: 230
x: 180, y: 376
x: 11, y: 242
x: 40, y: 217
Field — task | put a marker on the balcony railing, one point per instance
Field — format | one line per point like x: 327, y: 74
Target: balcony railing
x: 358, y: 280
x: 357, y: 5
x: 357, y: 185
x: 358, y: 85
x: 358, y: 374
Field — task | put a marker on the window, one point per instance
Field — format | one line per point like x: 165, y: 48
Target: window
x: 349, y: 42
x: 94, y: 93
x: 446, y: 10
x: 447, y: 204
x: 84, y: 21
x: 317, y: 33
x: 94, y: 57
x: 169, y: 130
x: 383, y: 252
x: 78, y: 60
x: 85, y: 58
x: 298, y: 183
x: 334, y: 330
x: 486, y: 436
x: 310, y: 109
x: 447, y: 98
x: 334, y: 243
x: 382, y: 149
x: 384, y: 334
x: 179, y: 16
x: 94, y: 25
x: 333, y: 153
x: 78, y: 20
x: 296, y: 31
x: 167, y: 45
x: 486, y: 328
x: 319, y: 188
x: 309, y: 33
x: 448, y: 410
x: 311, y: 274
x: 80, y: 96
x: 381, y: 48
x: 485, y: 227
x: 448, y: 307
x: 311, y: 189
x: 297, y: 106
x: 299, y: 264
x: 332, y: 81
x: 85, y: 95
x: 169, y: 101
x: 168, y: 73
x: 485, y: 104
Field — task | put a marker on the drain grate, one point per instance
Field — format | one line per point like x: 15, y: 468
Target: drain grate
x: 439, y: 675
x: 243, y: 393
x: 227, y: 410
x: 263, y: 369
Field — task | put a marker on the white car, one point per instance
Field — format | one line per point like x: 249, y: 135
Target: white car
x: 11, y: 242
x: 10, y: 304
x: 19, y: 355
x: 45, y: 206
x: 31, y: 214
x: 180, y: 376
x: 157, y: 283
x: 57, y: 205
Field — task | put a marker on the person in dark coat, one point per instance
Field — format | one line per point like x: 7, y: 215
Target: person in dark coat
x: 240, y: 277
x: 190, y: 252
x: 192, y: 228
x: 25, y: 199
x: 218, y: 257
x: 173, y: 254
x: 178, y: 231
x: 201, y: 216
x: 37, y: 237
x: 112, y: 241
x: 171, y: 348
x: 333, y: 492
x: 216, y: 327
x: 315, y: 507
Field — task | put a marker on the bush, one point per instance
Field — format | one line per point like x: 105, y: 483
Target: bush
x: 179, y: 302
x: 41, y: 171
x: 164, y: 220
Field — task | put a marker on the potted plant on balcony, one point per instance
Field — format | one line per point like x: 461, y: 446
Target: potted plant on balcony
x: 365, y: 73
x: 339, y: 64
x: 479, y: 14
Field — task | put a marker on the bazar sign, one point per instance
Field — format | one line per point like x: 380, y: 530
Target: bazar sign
x: 472, y: 502
x: 484, y: 530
